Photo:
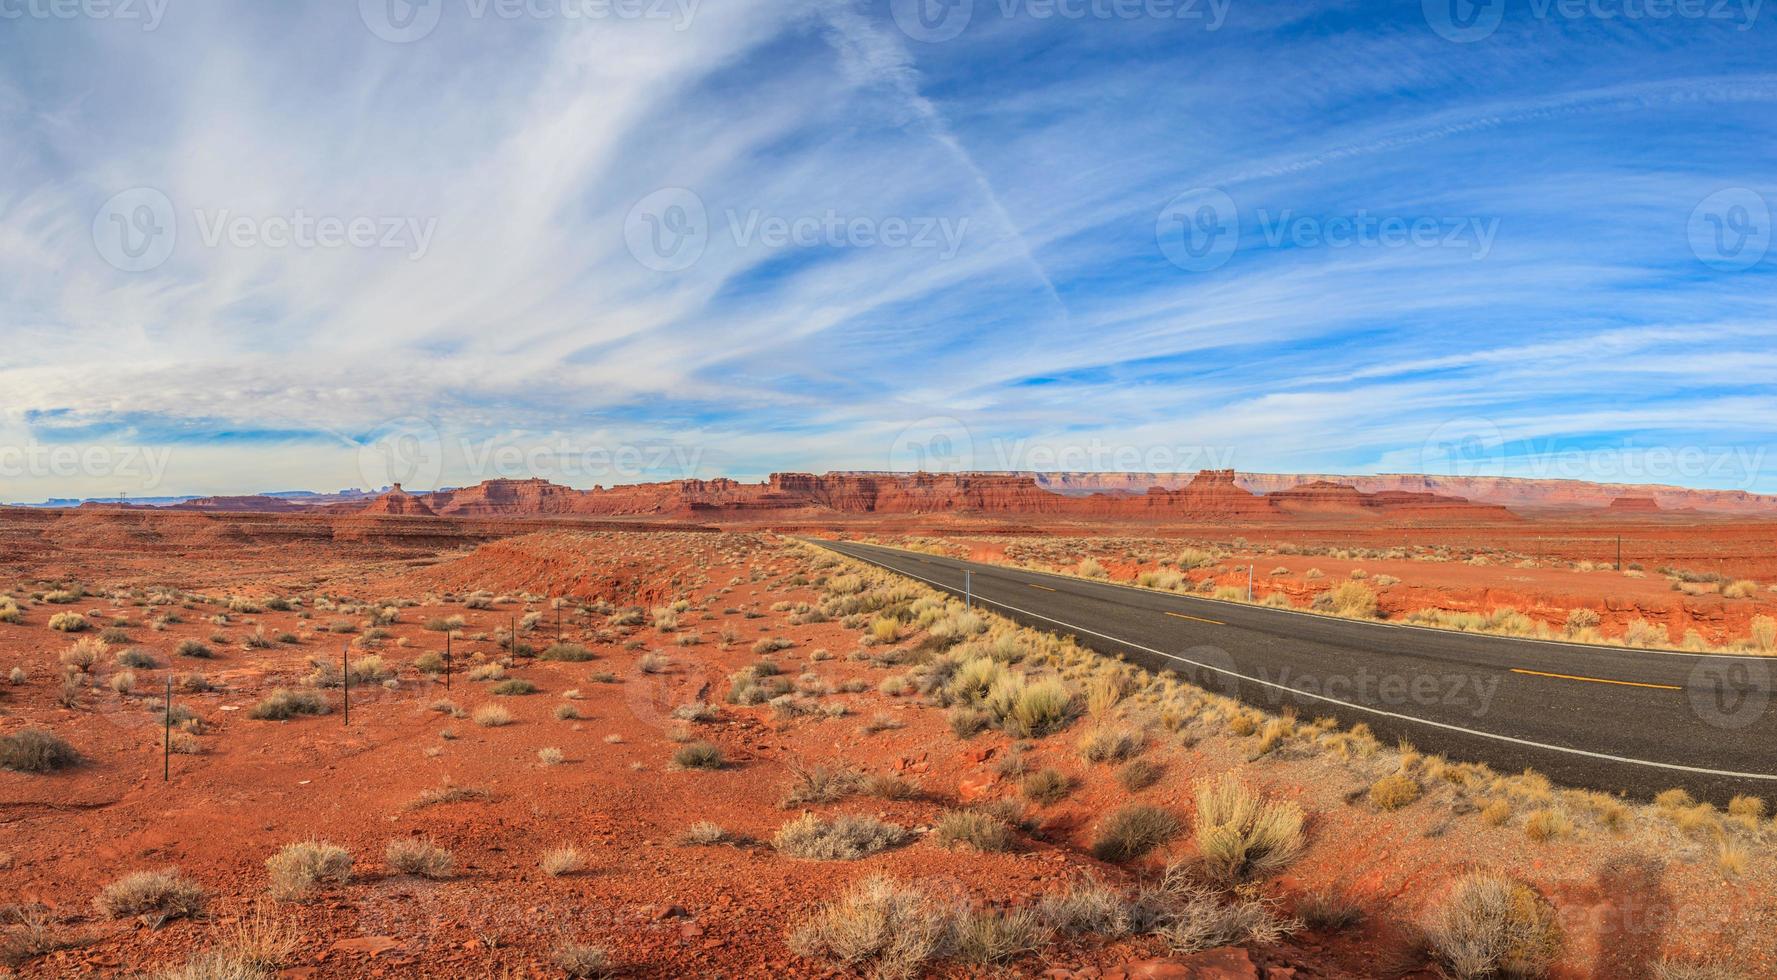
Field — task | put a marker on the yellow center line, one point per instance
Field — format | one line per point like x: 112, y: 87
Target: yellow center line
x: 1045, y: 588
x: 1597, y: 680
x: 1200, y: 619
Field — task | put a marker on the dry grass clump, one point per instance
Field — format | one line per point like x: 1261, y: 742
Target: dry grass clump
x: 565, y: 859
x: 1242, y: 835
x: 514, y: 687
x: 567, y: 652
x: 157, y: 896
x: 492, y: 716
x: 448, y: 794
x: 1132, y: 831
x: 298, y: 868
x: 1328, y: 910
x: 1046, y: 786
x: 845, y: 838
x: 82, y: 654
x: 975, y: 829
x: 194, y: 649
x: 1104, y: 743
x: 880, y: 928
x: 1489, y: 925
x: 704, y: 833
x: 135, y: 659
x: 654, y: 663
x: 418, y: 856
x: 284, y: 703
x: 1139, y: 774
x: 35, y: 750
x: 550, y: 756
x: 253, y: 948
x: 583, y: 962
x: 992, y: 936
x: 1548, y: 824
x: 67, y: 622
x: 1394, y: 791
x: 819, y: 784
x: 697, y: 755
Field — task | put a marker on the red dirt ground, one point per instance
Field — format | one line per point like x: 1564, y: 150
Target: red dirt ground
x: 662, y: 908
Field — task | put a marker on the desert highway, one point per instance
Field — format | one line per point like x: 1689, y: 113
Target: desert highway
x: 1614, y: 719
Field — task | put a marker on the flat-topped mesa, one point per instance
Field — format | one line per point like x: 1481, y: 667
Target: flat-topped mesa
x: 1636, y: 505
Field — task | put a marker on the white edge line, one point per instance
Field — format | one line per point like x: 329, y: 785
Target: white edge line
x: 1347, y: 704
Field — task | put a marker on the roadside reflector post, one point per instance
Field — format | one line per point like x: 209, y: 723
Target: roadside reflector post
x: 968, y: 589
x: 1249, y: 583
x: 166, y: 742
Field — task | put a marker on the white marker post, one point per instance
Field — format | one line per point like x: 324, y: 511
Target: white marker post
x: 968, y: 589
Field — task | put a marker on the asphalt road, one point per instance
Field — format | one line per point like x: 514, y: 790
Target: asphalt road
x: 1614, y: 719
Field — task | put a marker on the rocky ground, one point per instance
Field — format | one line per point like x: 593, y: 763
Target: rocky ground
x: 674, y: 626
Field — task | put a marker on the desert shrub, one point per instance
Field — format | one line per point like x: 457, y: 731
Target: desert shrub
x: 1327, y: 910
x: 703, y: 833
x: 1580, y: 620
x: 697, y: 711
x: 492, y: 716
x: 418, y: 856
x: 1242, y: 835
x: 567, y: 712
x: 1132, y: 831
x: 1641, y: 633
x: 1350, y: 599
x: 35, y: 750
x: 195, y: 649
x: 299, y: 867
x: 1045, y: 786
x: 1764, y: 634
x: 1547, y: 824
x: 562, y: 860
x: 82, y: 654
x: 567, y: 652
x: 972, y: 828
x: 1104, y: 743
x: 967, y: 722
x: 1138, y: 774
x: 1740, y: 589
x: 844, y: 838
x: 284, y: 703
x: 879, y: 927
x: 697, y: 755
x: 1394, y: 791
x: 550, y: 756
x: 136, y: 659
x: 1033, y: 709
x: 124, y: 681
x: 583, y: 962
x: 653, y: 663
x: 67, y: 622
x: 992, y: 936
x: 487, y: 672
x: 1490, y: 925
x: 429, y: 663
x: 819, y: 784
x: 158, y: 896
x: 1090, y: 907
x: 10, y: 611
x: 1192, y: 916
x: 514, y: 686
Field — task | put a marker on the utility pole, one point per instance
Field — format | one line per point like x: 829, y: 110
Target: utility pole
x: 345, y: 681
x: 1619, y: 552
x: 166, y: 744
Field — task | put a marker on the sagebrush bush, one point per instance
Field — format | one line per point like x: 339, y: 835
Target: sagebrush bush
x: 418, y: 856
x: 492, y: 716
x: 878, y: 927
x: 35, y: 750
x: 844, y: 838
x: 1242, y: 835
x: 1489, y: 925
x: 158, y: 896
x: 1046, y: 786
x: 297, y: 868
x: 974, y: 829
x: 697, y: 755
x: 67, y: 622
x: 285, y: 703
x: 1394, y: 791
x: 1132, y: 831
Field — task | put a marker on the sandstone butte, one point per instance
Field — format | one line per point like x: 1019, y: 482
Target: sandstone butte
x: 1210, y: 495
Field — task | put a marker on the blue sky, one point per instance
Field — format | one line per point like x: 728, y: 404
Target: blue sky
x: 251, y: 246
